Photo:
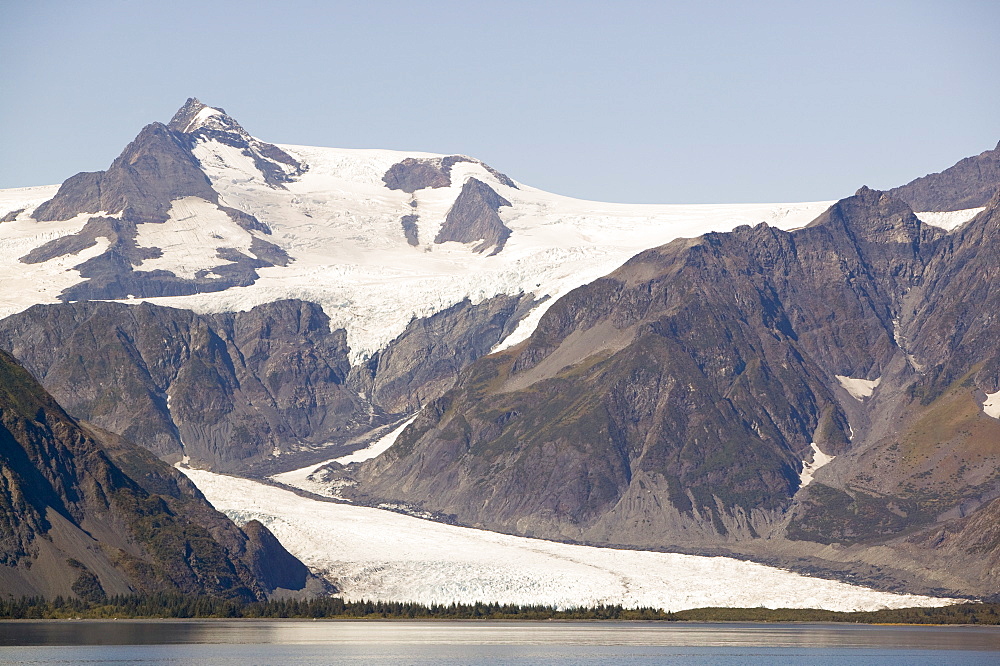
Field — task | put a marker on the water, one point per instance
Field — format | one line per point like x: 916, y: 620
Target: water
x: 251, y: 642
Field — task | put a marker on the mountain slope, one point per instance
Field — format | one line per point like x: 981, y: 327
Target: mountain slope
x: 83, y: 512
x: 230, y: 390
x: 409, y: 265
x: 970, y: 183
x: 677, y: 402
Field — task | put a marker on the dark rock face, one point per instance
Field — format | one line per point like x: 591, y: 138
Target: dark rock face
x: 228, y: 390
x: 423, y: 363
x: 12, y: 215
x: 86, y: 513
x: 410, y: 229
x: 969, y: 184
x: 473, y: 217
x: 140, y: 187
x: 414, y: 174
x: 152, y: 171
x: 231, y: 387
x: 671, y: 403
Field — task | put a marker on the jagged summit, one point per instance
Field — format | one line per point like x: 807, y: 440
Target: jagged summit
x: 195, y: 114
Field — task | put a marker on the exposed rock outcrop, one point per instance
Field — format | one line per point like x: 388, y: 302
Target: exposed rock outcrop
x: 85, y: 513
x: 229, y: 390
x: 413, y: 174
x: 474, y: 217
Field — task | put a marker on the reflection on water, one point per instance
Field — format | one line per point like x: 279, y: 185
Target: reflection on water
x: 246, y: 642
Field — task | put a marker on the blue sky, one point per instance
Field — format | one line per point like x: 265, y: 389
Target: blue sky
x: 616, y: 101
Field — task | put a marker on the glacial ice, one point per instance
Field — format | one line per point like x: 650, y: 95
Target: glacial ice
x: 381, y: 555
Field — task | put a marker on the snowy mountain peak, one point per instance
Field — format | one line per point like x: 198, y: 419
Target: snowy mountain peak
x: 198, y: 124
x: 200, y: 214
x: 195, y: 114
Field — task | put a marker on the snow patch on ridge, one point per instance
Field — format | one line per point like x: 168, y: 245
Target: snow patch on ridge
x: 191, y: 237
x: 200, y: 118
x: 382, y: 555
x: 992, y: 405
x: 809, y: 468
x: 949, y: 219
x: 859, y: 388
x: 376, y: 448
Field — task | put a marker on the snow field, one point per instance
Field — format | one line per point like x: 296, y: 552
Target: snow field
x: 341, y: 226
x: 191, y: 237
x: 950, y: 219
x: 381, y: 555
x: 25, y: 285
x: 991, y: 407
x: 809, y: 468
x: 859, y: 388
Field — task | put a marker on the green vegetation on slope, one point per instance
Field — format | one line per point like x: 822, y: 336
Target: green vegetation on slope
x: 181, y: 606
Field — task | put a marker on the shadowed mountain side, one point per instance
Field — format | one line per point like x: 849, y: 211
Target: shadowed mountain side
x: 86, y: 513
x: 229, y: 390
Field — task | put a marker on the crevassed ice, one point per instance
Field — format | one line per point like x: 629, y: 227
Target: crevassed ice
x: 382, y: 555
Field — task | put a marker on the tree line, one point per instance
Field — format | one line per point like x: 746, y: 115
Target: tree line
x: 168, y: 605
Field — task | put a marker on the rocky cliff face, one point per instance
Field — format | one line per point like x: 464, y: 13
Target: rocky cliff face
x: 86, y: 513
x: 680, y: 402
x: 474, y: 218
x: 231, y: 390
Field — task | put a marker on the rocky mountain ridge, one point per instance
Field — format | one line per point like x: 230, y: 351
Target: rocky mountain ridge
x: 84, y: 512
x: 678, y: 402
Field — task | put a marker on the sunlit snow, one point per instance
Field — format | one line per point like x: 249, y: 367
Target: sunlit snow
x: 191, y: 237
x: 992, y: 405
x: 949, y: 219
x: 375, y: 554
x: 199, y: 119
x: 809, y: 468
x: 859, y: 388
x: 377, y: 447
x: 303, y: 478
x: 341, y: 227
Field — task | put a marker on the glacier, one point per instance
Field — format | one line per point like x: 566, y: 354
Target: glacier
x: 372, y: 554
x: 341, y: 226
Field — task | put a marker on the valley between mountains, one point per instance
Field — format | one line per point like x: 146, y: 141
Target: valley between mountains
x: 424, y: 351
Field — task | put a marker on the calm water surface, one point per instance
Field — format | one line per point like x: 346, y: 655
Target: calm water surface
x: 251, y: 642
